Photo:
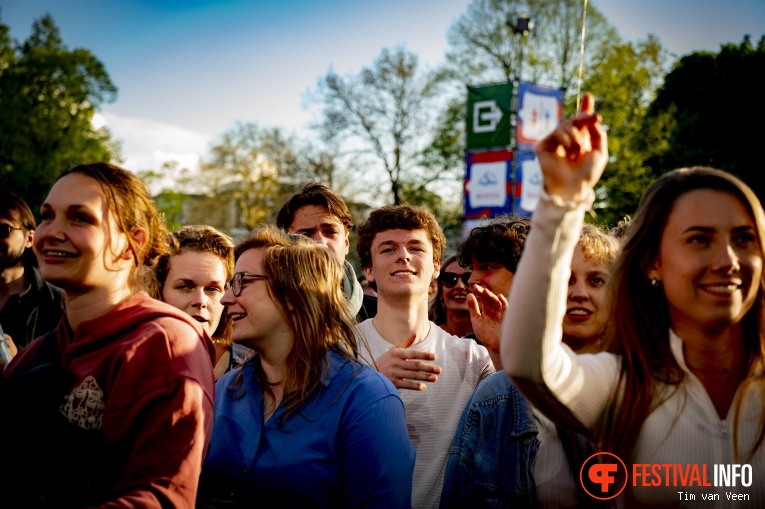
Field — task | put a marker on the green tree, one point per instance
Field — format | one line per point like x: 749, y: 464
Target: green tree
x: 48, y: 96
x: 483, y: 49
x: 623, y: 76
x: 715, y: 100
x: 624, y: 79
x: 379, y: 115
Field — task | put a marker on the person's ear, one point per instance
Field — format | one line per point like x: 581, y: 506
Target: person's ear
x: 651, y: 266
x: 436, y: 269
x: 368, y: 274
x: 140, y: 238
x: 30, y: 240
x: 347, y: 243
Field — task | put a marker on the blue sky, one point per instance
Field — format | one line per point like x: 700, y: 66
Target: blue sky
x: 187, y: 70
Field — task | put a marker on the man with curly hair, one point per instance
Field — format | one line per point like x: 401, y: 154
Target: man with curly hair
x: 436, y: 373
x: 492, y: 251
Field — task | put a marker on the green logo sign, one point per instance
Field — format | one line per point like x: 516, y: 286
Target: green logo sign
x: 488, y: 116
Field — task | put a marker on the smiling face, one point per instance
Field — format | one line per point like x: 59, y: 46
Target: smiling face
x: 78, y: 243
x: 195, y: 284
x: 455, y: 297
x: 316, y: 223
x: 586, y: 308
x: 709, y: 262
x: 257, y: 319
x: 402, y: 263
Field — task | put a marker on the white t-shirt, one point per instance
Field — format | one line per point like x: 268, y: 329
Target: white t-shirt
x: 432, y: 415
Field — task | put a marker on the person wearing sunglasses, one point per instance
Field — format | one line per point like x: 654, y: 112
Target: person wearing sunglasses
x: 449, y: 309
x: 491, y: 252
x: 303, y: 423
x: 29, y: 306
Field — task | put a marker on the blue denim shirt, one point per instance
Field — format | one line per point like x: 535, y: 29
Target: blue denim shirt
x: 492, y: 455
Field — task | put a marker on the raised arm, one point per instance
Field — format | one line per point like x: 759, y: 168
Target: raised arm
x: 570, y: 389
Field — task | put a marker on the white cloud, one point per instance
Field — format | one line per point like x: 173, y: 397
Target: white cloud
x: 147, y: 144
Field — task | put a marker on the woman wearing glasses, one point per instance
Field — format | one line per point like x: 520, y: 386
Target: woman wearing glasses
x: 450, y: 309
x: 302, y: 423
x: 123, y: 387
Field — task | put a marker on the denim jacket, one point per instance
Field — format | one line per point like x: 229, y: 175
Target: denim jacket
x: 491, y: 458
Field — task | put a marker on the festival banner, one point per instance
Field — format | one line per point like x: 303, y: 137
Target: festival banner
x: 488, y: 182
x: 540, y: 110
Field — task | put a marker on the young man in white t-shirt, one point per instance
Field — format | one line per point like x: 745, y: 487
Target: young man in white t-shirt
x: 401, y: 249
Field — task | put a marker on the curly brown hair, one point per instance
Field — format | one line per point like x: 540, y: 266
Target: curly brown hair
x: 399, y: 217
x: 499, y: 241
x: 202, y: 239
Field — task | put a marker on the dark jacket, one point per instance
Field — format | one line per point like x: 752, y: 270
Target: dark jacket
x: 34, y: 312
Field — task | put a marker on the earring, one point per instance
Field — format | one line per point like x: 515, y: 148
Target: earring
x: 654, y: 282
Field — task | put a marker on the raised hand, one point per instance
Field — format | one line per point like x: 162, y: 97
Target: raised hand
x: 403, y: 365
x: 573, y: 156
x: 486, y: 313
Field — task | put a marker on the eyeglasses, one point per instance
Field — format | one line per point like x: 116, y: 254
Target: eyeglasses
x: 449, y: 279
x: 6, y: 229
x: 236, y: 283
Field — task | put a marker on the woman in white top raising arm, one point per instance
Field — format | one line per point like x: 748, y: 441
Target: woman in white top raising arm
x: 683, y: 382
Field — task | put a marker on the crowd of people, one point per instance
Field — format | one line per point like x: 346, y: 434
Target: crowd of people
x: 186, y: 369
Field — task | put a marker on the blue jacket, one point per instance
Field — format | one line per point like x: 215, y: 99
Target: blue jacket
x: 347, y: 446
x: 491, y: 458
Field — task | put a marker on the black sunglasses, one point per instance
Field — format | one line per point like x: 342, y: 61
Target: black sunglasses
x: 449, y: 279
x: 6, y: 229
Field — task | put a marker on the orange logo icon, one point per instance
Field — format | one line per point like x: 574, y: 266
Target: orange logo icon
x: 603, y: 476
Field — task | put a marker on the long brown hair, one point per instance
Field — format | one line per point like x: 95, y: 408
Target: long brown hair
x: 305, y: 282
x: 640, y: 320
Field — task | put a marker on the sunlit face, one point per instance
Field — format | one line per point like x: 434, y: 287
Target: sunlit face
x: 78, y: 244
x: 402, y: 263
x: 493, y: 276
x: 12, y: 248
x: 709, y: 262
x: 258, y: 322
x: 316, y: 223
x: 587, y: 305
x: 455, y: 297
x: 195, y: 284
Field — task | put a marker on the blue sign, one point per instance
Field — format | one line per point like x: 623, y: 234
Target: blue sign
x: 540, y: 111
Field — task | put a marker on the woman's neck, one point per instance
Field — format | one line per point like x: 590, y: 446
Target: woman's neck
x: 458, y: 323
x: 275, y: 370
x: 721, y: 364
x: 85, y: 306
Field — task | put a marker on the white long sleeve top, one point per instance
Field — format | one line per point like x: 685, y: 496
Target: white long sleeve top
x: 578, y: 389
